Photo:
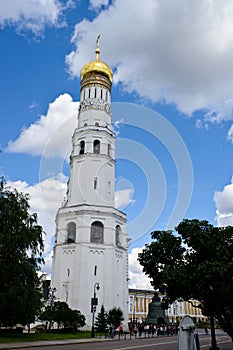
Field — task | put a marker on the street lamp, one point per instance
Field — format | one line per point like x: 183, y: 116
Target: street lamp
x: 94, y: 302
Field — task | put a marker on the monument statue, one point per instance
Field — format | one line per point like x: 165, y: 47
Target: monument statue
x: 156, y: 314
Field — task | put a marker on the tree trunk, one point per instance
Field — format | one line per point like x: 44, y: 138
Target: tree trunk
x: 213, y: 336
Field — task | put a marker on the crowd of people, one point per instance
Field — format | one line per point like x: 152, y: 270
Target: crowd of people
x: 163, y: 329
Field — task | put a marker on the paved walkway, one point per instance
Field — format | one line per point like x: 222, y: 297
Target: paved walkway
x: 35, y: 344
x: 223, y: 344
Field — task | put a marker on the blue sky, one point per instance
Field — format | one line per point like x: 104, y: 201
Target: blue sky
x: 172, y: 106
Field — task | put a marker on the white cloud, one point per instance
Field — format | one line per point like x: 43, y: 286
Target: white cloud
x: 179, y: 51
x: 224, y: 205
x: 32, y: 15
x: 137, y: 278
x: 97, y: 4
x: 50, y: 136
x: 45, y: 199
x: 123, y: 198
x: 230, y: 134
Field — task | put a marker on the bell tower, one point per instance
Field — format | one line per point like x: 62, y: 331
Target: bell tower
x: 91, y: 244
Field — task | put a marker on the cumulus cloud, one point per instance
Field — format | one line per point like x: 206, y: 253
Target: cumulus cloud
x: 45, y: 199
x: 97, y: 4
x: 180, y: 52
x: 137, y: 279
x: 123, y: 198
x: 50, y: 136
x: 224, y: 205
x: 230, y: 134
x: 32, y: 15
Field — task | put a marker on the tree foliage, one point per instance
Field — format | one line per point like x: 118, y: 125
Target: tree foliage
x: 195, y: 262
x: 115, y: 317
x: 63, y: 316
x: 21, y: 248
x: 101, y: 321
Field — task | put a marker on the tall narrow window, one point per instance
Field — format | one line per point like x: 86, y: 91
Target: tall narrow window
x: 117, y: 233
x: 95, y: 93
x: 71, y: 232
x: 106, y: 96
x: 95, y: 183
x: 96, y: 146
x: 95, y: 270
x: 97, y: 232
x: 109, y: 150
x: 101, y: 94
x: 89, y: 93
x: 82, y: 147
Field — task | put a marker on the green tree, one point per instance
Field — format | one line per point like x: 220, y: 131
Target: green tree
x: 21, y: 248
x: 115, y: 317
x: 63, y: 316
x: 101, y: 322
x: 195, y: 262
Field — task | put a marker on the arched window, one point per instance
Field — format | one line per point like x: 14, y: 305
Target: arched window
x: 109, y: 149
x: 97, y: 124
x: 97, y: 232
x: 82, y: 147
x: 85, y: 124
x: 96, y: 146
x: 71, y: 232
x: 117, y: 233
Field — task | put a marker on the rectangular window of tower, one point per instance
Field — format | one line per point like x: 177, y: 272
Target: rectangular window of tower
x: 101, y: 94
x: 106, y: 97
x: 95, y: 183
x: 95, y: 270
x: 89, y: 93
x: 95, y: 93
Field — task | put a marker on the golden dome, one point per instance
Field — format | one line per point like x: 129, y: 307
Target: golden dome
x: 96, y: 67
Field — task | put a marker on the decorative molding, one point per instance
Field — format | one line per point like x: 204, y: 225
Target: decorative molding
x: 68, y: 251
x: 96, y: 251
x: 95, y: 103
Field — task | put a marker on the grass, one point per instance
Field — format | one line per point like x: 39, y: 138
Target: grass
x: 24, y: 337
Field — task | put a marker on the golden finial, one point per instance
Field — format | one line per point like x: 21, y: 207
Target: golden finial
x: 97, y: 50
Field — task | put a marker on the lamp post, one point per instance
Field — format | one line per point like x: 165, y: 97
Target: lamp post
x: 94, y: 302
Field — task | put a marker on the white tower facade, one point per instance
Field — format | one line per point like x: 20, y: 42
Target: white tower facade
x: 91, y: 244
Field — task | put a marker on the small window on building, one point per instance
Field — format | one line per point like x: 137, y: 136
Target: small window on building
x: 71, y: 232
x: 89, y: 93
x: 95, y: 183
x: 85, y: 124
x: 97, y: 124
x: 82, y: 147
x: 95, y: 270
x: 95, y: 93
x: 97, y: 232
x: 96, y: 146
x: 109, y: 149
x: 101, y: 94
x: 117, y: 234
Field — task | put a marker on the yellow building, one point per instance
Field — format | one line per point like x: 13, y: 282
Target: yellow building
x: 138, y: 307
